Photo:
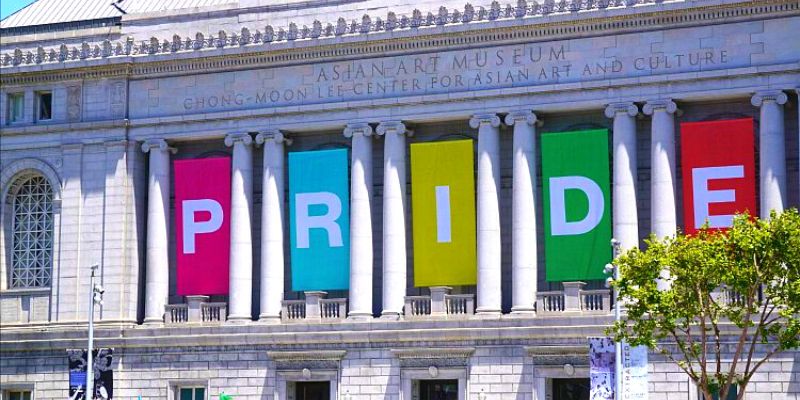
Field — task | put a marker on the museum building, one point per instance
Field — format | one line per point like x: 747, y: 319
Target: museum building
x: 364, y: 200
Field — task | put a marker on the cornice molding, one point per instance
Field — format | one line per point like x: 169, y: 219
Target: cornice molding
x: 433, y: 352
x: 157, y: 58
x: 311, y: 355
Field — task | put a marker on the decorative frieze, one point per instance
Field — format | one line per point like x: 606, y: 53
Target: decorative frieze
x: 424, y: 357
x: 370, y: 25
x: 559, y: 355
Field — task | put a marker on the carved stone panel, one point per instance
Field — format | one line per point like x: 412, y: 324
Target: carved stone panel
x: 117, y: 101
x: 74, y: 102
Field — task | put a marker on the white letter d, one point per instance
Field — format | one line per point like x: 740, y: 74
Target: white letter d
x: 559, y: 226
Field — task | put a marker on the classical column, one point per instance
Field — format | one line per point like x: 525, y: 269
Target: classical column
x: 394, y: 217
x: 523, y: 212
x: 772, y: 148
x: 626, y: 226
x: 272, y: 262
x: 360, y: 220
x: 663, y: 216
x: 489, y: 287
x: 157, y: 270
x: 241, y: 262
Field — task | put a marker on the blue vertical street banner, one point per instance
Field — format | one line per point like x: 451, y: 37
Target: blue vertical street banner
x: 319, y: 219
x: 601, y: 368
x: 103, y: 373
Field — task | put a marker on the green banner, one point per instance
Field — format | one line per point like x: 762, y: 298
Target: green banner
x: 577, y: 204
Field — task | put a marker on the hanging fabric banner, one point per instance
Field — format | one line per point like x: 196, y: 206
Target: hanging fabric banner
x: 601, y: 368
x: 203, y: 233
x: 103, y: 373
x: 634, y: 372
x: 319, y: 219
x: 719, y: 175
x: 443, y: 213
x: 577, y: 204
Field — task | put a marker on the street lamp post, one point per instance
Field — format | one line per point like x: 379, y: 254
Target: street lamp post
x: 613, y: 270
x: 96, y: 297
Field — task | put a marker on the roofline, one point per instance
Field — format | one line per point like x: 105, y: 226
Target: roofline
x: 60, y: 26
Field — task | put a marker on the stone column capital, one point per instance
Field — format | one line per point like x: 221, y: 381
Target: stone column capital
x: 273, y: 134
x: 490, y: 119
x: 234, y: 138
x: 526, y: 116
x: 621, y: 107
x: 660, y: 104
x: 393, y: 127
x: 357, y: 128
x: 157, y: 144
x: 778, y: 96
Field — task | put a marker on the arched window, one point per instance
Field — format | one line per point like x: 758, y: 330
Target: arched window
x: 32, y: 232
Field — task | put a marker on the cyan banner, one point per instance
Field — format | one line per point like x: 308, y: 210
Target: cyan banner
x: 319, y: 219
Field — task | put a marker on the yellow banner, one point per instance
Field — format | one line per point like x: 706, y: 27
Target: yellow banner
x: 443, y: 213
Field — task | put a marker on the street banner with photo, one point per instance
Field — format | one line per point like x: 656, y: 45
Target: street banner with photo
x: 601, y: 368
x: 719, y: 175
x: 634, y: 372
x: 319, y: 219
x: 202, y: 215
x: 103, y: 373
x: 577, y: 204
x: 443, y: 213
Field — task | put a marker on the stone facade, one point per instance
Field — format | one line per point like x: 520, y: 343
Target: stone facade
x: 296, y: 76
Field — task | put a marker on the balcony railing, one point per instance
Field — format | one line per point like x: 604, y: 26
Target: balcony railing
x: 315, y: 308
x: 197, y: 310
x: 439, y: 304
x: 573, y: 299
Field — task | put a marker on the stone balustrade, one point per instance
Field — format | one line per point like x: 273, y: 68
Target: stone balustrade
x: 439, y: 304
x: 315, y: 308
x: 196, y: 310
x: 573, y: 299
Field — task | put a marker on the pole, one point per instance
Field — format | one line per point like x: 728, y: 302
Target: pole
x: 617, y: 345
x: 89, y: 358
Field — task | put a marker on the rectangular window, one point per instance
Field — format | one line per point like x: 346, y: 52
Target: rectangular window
x: 194, y: 393
x: 438, y: 389
x: 16, y: 107
x: 44, y: 104
x: 571, y: 389
x: 313, y: 390
x: 19, y: 395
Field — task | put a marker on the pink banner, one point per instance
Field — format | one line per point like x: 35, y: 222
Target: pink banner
x: 203, y: 228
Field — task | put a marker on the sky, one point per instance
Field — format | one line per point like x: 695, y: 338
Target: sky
x: 8, y: 7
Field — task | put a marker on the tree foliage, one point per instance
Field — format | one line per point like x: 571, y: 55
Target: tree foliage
x: 721, y: 292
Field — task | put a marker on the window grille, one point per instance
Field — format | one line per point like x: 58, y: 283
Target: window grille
x: 32, y: 229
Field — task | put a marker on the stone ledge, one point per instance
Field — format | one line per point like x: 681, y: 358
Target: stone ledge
x: 433, y: 352
x: 315, y: 355
x: 559, y: 355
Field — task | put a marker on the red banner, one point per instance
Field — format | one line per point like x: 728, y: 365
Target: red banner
x: 203, y: 228
x: 719, y: 178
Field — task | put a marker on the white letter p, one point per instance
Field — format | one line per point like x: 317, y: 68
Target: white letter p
x: 192, y: 227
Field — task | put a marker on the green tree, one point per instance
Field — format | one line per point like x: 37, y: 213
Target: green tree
x: 729, y: 300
